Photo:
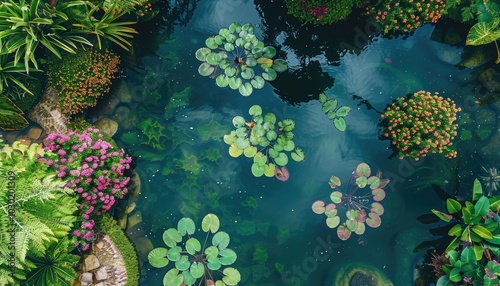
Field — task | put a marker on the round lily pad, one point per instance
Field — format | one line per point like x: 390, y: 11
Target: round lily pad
x: 222, y: 80
x: 228, y: 256
x: 171, y: 237
x: 174, y: 253
x: 282, y: 159
x: 257, y: 170
x: 333, y: 222
x: 318, y: 207
x: 193, y: 246
x: 183, y: 263
x: 221, y: 240
x: 186, y: 226
x: 158, y: 257
x: 245, y: 89
x: 173, y: 278
x: 343, y: 232
x: 212, y: 252
x: 378, y: 194
x: 238, y: 121
x: 211, y: 44
x: 205, y: 69
x: 234, y: 151
x: 255, y: 110
x: 214, y: 264
x: 363, y: 170
x: 242, y: 143
x: 235, y: 82
x: 377, y: 208
x: 331, y: 210
x: 197, y: 269
x: 360, y: 229
x: 250, y: 151
x: 373, y: 220
x: 269, y: 74
x: 269, y: 170
x: 210, y: 223
x: 336, y: 197
x: 269, y: 52
x: 231, y: 276
x: 201, y: 53
x: 280, y: 65
x: 188, y: 277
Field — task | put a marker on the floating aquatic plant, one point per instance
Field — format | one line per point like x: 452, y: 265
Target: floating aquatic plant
x: 235, y: 57
x: 267, y: 145
x: 193, y: 260
x: 334, y: 113
x: 355, y: 204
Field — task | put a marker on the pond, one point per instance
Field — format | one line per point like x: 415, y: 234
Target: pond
x: 177, y: 118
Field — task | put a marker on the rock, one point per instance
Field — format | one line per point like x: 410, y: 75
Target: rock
x: 11, y: 136
x: 357, y: 274
x: 101, y: 274
x: 452, y: 37
x: 34, y: 133
x: 474, y: 59
x: 91, y: 262
x: 107, y: 126
x: 125, y: 118
x: 130, y: 207
x: 135, y: 186
x: 86, y: 278
x: 123, y: 93
x: 100, y: 284
x: 24, y: 141
x: 46, y: 113
x: 490, y: 79
x: 134, y: 219
x: 143, y: 246
x: 122, y: 220
x: 108, y: 106
x: 135, y: 232
x: 99, y: 244
x: 451, y: 56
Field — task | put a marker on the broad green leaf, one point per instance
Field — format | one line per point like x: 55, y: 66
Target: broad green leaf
x: 174, y: 253
x: 281, y: 160
x: 211, y: 44
x: 363, y: 170
x: 258, y: 82
x: 245, y: 89
x: 483, y: 33
x: 269, y: 74
x: 468, y: 255
x: 212, y: 252
x: 193, y: 246
x: 186, y: 225
x: 482, y: 206
x: 343, y: 111
x: 269, y: 170
x: 255, y: 110
x: 222, y: 80
x: 201, y: 53
x: 250, y: 151
x: 211, y: 60
x: 229, y: 47
x: 298, y: 155
x: 456, y: 230
x: 443, y: 216
x: 361, y: 182
x: 269, y: 52
x: 343, y: 232
x: 334, y: 182
x: 248, y: 73
x: 231, y: 276
x: 242, y: 143
x: 377, y: 208
x: 329, y: 105
x: 183, y: 263
x: 234, y: 151
x: 214, y: 264
x: 478, y: 251
x: 171, y: 237
x: 205, y: 69
x: 331, y: 210
x: 197, y: 269
x: 210, y: 223
x: 280, y: 65
x: 333, y: 222
x: 235, y: 27
x: 188, y: 277
x: 238, y: 121
x: 257, y: 170
x: 221, y: 240
x: 318, y: 207
x: 230, y: 72
x: 336, y: 197
x: 235, y: 82
x: 260, y: 159
x: 453, y: 245
x: 455, y: 275
x: 453, y: 206
x: 477, y: 190
x: 482, y: 232
x: 340, y: 124
x: 228, y: 256
x: 265, y: 62
x: 158, y: 257
x: 373, y: 220
x: 173, y: 278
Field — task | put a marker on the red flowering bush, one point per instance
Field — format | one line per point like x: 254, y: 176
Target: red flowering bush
x: 319, y: 11
x: 93, y: 168
x: 405, y: 15
x: 421, y: 123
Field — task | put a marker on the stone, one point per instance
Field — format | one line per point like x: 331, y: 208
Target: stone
x: 122, y: 220
x: 130, y: 207
x: 34, y: 133
x: 452, y: 37
x: 135, y: 232
x: 47, y: 114
x: 100, y: 284
x: 91, y: 262
x: 490, y: 79
x: 125, y: 118
x: 107, y: 126
x: 134, y: 219
x: 24, y: 141
x: 101, y: 274
x: 475, y: 58
x: 143, y: 246
x: 11, y: 136
x: 135, y: 186
x: 123, y: 93
x: 86, y: 278
x: 108, y: 106
x: 357, y: 274
x: 99, y: 244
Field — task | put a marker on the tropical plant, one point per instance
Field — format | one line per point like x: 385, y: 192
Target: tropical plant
x: 36, y: 210
x: 354, y: 204
x: 82, y: 79
x: 233, y: 56
x: 487, y: 29
x: 334, y: 113
x: 419, y: 124
x: 10, y: 71
x: 24, y: 26
x: 320, y: 11
x: 11, y: 116
x: 193, y: 260
x: 474, y: 230
x: 259, y: 139
x: 107, y: 28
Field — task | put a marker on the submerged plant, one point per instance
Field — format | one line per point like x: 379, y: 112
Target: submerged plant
x: 420, y: 124
x: 259, y: 139
x: 233, y: 56
x: 355, y: 204
x: 334, y: 113
x: 193, y: 260
x: 491, y: 179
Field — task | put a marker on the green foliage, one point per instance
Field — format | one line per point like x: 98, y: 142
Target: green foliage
x: 474, y: 231
x: 334, y: 113
x: 107, y: 224
x: 10, y: 72
x: 265, y: 142
x: 193, y: 260
x: 11, y: 117
x: 233, y: 58
x: 320, y: 11
x: 212, y: 130
x: 177, y: 100
x: 82, y: 78
x: 357, y: 204
x: 152, y: 133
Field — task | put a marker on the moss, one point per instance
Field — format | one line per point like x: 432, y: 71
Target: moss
x: 111, y: 228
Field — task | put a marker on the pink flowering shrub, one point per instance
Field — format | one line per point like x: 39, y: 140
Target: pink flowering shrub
x: 93, y: 168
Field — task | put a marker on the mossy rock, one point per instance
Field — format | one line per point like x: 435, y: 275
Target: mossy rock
x: 358, y: 274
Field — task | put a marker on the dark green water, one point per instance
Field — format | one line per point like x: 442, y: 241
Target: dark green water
x: 282, y: 221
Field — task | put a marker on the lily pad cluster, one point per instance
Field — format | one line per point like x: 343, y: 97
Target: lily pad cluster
x: 334, y: 113
x: 236, y: 58
x: 191, y: 259
x: 266, y: 141
x: 360, y: 208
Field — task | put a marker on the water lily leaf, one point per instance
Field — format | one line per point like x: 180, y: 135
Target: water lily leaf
x: 232, y: 276
x: 211, y: 59
x: 251, y: 61
x: 188, y: 277
x: 271, y: 135
x: 257, y: 52
x: 224, y: 32
x: 193, y: 246
x: 361, y: 182
x: 220, y: 56
x: 280, y: 65
x: 171, y: 237
x: 214, y: 264
x: 281, y: 174
x: 250, y: 151
x: 183, y: 263
x: 377, y: 208
x: 201, y: 53
x: 205, y: 69
x: 235, y: 27
x: 229, y: 47
x: 360, y: 229
x: 287, y: 124
x: 245, y: 89
x: 221, y: 240
x: 260, y: 159
x: 219, y: 39
x: 242, y: 143
x: 258, y: 82
x: 248, y: 28
x: 230, y: 71
x: 378, y: 194
x: 212, y: 252
x: 158, y: 257
x: 373, y: 182
x: 343, y: 232
x: 238, y: 121
x: 333, y: 222
x: 231, y: 38
x: 340, y: 123
x: 234, y: 151
x: 222, y: 80
x: 255, y: 110
x: 269, y: 74
x: 343, y: 111
x: 331, y: 210
x: 336, y: 197
x: 351, y: 224
x: 363, y: 170
x: 223, y: 64
x: 289, y: 146
x: 373, y: 220
x: 273, y: 153
x: 174, y: 253
x: 234, y: 82
x: 258, y: 170
x: 334, y: 182
x: 211, y: 44
x: 265, y: 62
x: 186, y: 225
x: 270, y: 118
x: 210, y: 223
x: 269, y: 52
x: 173, y: 278
x: 248, y: 73
x: 228, y: 256
x: 281, y: 160
x: 298, y: 155
x: 318, y: 207
x: 239, y: 42
x: 329, y: 105
x: 269, y: 170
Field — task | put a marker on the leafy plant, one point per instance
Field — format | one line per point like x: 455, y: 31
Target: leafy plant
x: 259, y: 139
x: 233, y: 56
x: 356, y: 205
x: 11, y: 117
x: 321, y: 11
x: 487, y: 29
x: 193, y: 260
x: 9, y: 72
x: 334, y: 113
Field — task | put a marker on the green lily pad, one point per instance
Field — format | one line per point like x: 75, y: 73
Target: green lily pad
x: 210, y: 223
x: 282, y: 159
x: 340, y: 123
x: 318, y: 207
x: 245, y: 89
x: 228, y: 256
x: 173, y: 278
x: 174, y: 253
x: 257, y: 170
x: 222, y: 80
x: 343, y: 111
x: 214, y: 264
x: 377, y: 208
x: 171, y: 237
x: 221, y: 240
x: 378, y: 194
x: 230, y: 72
x: 201, y: 53
x: 258, y: 82
x: 334, y: 182
x: 188, y: 277
x: 234, y: 151
x: 298, y: 155
x: 212, y: 252
x: 235, y: 82
x: 336, y: 197
x: 280, y: 65
x: 229, y: 46
x: 186, y: 226
x: 269, y: 170
x: 193, y: 246
x: 183, y: 263
x: 205, y: 69
x: 269, y: 52
x: 211, y: 44
x: 251, y: 61
x: 248, y: 74
x: 331, y: 210
x: 158, y: 257
x: 211, y: 60
x: 197, y: 270
x: 242, y: 143
x: 343, y: 232
x: 333, y: 222
x: 250, y: 151
x: 373, y: 220
x: 235, y: 27
x: 269, y: 74
x: 363, y: 170
x: 270, y: 118
x: 231, y: 276
x: 260, y: 159
x: 255, y: 110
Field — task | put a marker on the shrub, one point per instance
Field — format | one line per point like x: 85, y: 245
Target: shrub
x: 320, y: 12
x: 93, y: 168
x: 405, y: 16
x: 82, y: 78
x: 421, y: 123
